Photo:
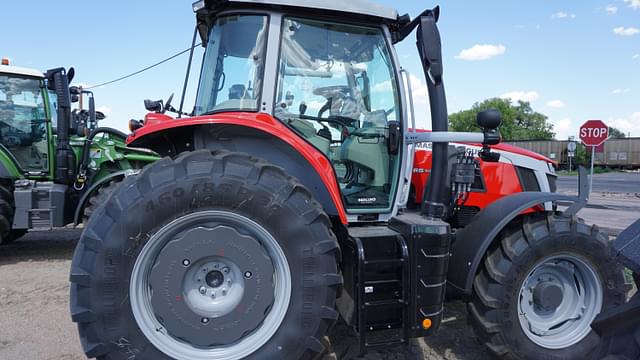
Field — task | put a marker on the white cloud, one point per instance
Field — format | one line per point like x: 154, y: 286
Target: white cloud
x: 630, y: 124
x: 556, y: 104
x: 563, y: 15
x: 635, y: 56
x: 634, y: 4
x: 611, y: 9
x: 620, y: 91
x: 481, y: 52
x: 622, y: 31
x: 104, y: 109
x: 562, y: 128
x: 516, y: 96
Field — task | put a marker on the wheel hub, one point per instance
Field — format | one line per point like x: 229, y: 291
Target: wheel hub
x: 212, y: 286
x: 214, y: 279
x: 547, y: 295
x: 558, y: 301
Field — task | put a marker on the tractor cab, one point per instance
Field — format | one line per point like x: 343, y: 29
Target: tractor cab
x: 24, y: 112
x: 334, y: 83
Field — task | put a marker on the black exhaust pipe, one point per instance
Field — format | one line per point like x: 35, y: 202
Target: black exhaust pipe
x: 58, y: 80
x: 434, y: 201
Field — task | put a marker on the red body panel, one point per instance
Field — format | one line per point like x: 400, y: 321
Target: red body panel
x: 155, y: 123
x: 500, y: 180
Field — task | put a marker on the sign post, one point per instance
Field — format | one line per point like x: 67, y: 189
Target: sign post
x: 593, y: 133
x: 571, y: 147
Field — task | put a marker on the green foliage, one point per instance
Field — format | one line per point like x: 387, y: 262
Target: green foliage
x: 519, y: 122
x: 615, y: 133
x: 583, y: 157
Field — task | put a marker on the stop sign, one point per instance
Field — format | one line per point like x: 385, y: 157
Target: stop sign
x: 594, y: 132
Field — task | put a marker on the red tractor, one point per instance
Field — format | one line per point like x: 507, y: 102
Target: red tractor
x: 280, y: 207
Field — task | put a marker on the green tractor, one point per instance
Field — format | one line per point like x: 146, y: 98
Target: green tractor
x: 55, y: 164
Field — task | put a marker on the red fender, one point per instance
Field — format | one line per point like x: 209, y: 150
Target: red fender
x: 155, y: 123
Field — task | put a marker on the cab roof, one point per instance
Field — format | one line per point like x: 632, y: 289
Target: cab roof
x: 15, y: 70
x: 356, y: 7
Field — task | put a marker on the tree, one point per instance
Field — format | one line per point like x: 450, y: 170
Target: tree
x: 615, y: 133
x: 519, y: 122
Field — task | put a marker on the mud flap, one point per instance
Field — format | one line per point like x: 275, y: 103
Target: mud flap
x: 627, y: 247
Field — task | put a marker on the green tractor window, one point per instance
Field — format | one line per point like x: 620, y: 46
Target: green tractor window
x: 23, y: 121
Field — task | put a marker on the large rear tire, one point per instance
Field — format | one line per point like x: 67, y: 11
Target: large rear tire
x: 211, y: 255
x: 541, y: 286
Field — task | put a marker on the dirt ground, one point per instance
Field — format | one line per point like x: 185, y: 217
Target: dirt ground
x: 34, y: 306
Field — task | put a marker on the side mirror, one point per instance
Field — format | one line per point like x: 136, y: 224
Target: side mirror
x: 100, y: 115
x: 155, y: 106
x: 489, y: 119
x: 430, y: 46
x: 74, y: 98
x: 70, y: 74
x: 74, y: 90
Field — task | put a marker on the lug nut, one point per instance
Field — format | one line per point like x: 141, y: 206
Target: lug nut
x: 248, y: 274
x: 186, y: 262
x: 213, y: 294
x: 203, y: 290
x: 224, y: 292
x: 205, y: 320
x: 225, y: 270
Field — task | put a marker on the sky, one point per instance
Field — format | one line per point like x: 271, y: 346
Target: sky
x: 573, y: 60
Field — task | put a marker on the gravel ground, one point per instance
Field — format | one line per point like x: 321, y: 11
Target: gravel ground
x: 34, y: 306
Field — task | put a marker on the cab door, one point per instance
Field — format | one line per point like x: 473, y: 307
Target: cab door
x: 24, y: 128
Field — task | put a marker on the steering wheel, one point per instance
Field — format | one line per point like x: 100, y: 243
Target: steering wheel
x: 327, y: 91
x: 167, y: 104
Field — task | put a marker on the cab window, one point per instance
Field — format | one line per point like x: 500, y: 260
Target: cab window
x: 23, y: 121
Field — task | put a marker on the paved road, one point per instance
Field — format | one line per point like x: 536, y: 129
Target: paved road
x: 617, y: 182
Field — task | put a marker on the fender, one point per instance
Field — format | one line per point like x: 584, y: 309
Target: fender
x: 472, y: 241
x: 9, y: 168
x: 189, y: 134
x: 77, y: 217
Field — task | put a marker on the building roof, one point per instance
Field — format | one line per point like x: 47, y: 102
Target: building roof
x: 362, y: 7
x: 15, y: 70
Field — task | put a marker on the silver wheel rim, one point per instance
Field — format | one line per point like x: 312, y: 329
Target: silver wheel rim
x: 141, y: 292
x: 555, y: 321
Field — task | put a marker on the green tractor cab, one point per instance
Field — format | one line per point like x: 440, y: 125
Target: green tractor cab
x: 54, y: 162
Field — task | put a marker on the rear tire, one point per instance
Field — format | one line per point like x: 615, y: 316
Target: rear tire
x: 251, y: 201
x: 515, y: 297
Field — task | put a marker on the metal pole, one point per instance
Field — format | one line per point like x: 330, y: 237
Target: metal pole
x: 186, y: 77
x: 570, y: 164
x: 593, y: 153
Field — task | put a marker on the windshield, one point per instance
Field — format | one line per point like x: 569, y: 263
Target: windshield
x: 233, y: 65
x: 336, y: 88
x: 23, y: 121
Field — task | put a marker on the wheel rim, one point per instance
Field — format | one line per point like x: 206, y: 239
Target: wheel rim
x: 558, y: 300
x: 210, y: 285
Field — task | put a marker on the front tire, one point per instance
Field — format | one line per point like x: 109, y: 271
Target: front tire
x: 211, y: 255
x: 7, y: 211
x: 541, y: 286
